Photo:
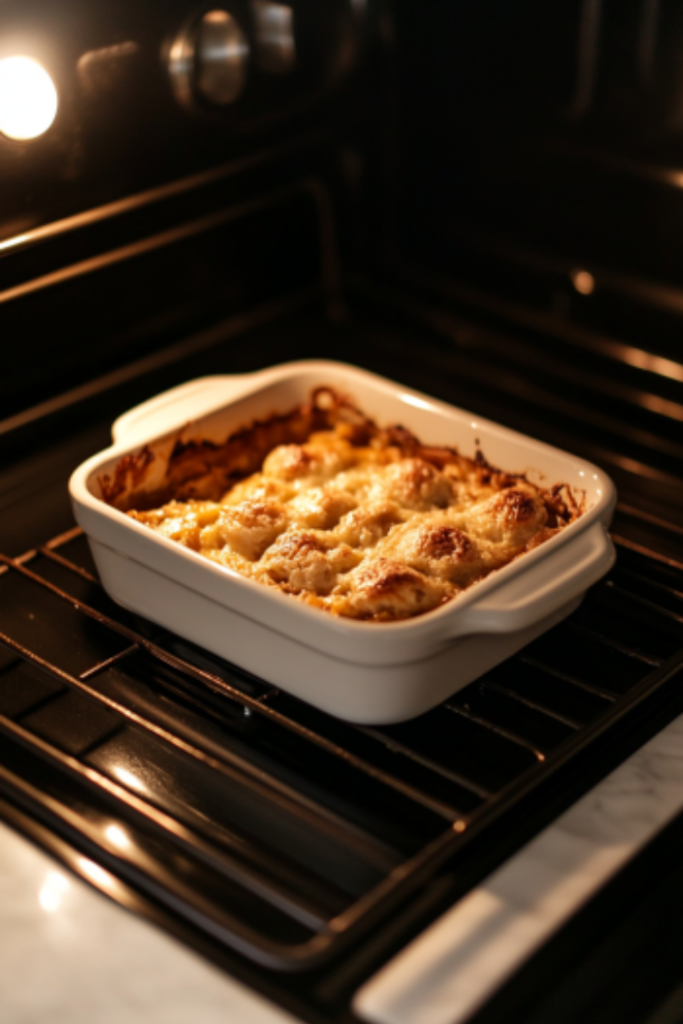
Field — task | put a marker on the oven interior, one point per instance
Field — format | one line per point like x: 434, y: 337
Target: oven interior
x: 480, y: 202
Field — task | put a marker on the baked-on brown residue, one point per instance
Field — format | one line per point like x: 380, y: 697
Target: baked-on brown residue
x: 201, y: 469
x: 128, y: 475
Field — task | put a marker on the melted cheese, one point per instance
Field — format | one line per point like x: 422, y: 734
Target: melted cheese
x: 363, y: 531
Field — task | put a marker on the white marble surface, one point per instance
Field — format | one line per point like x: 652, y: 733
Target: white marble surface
x: 70, y: 956
x: 453, y: 967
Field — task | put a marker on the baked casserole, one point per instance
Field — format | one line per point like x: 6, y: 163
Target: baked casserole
x: 362, y: 521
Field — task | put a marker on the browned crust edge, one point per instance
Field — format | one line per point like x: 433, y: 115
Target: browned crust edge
x: 202, y: 469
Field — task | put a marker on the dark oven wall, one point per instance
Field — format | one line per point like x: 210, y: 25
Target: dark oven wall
x: 531, y: 187
x: 167, y: 196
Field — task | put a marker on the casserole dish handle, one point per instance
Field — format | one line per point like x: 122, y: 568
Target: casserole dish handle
x: 554, y: 581
x: 178, y: 406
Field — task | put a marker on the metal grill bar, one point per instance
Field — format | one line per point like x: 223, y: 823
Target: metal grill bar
x: 169, y: 828
x: 243, y: 699
x: 608, y: 641
x: 102, y: 666
x: 638, y: 513
x: 644, y: 602
x: 505, y: 733
x: 513, y: 380
x: 230, y: 930
x: 656, y: 585
x: 263, y: 786
x: 640, y: 549
x: 399, y: 881
x: 49, y: 552
x: 534, y: 705
x: 567, y: 677
x: 391, y: 744
x: 64, y: 538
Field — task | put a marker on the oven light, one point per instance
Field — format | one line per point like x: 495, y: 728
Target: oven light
x: 28, y: 98
x: 583, y: 281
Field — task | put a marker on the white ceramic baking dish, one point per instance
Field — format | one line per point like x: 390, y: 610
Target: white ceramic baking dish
x: 360, y: 671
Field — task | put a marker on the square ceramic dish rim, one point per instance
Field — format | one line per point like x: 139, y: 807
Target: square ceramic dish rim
x: 419, y: 637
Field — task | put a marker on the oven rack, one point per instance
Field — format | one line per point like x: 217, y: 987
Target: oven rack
x: 271, y: 827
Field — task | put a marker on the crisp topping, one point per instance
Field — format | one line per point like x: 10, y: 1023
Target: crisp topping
x: 360, y: 521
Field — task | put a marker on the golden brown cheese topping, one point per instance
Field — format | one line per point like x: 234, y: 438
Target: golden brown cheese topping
x: 366, y: 523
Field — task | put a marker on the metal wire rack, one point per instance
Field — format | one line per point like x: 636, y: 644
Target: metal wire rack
x: 277, y: 830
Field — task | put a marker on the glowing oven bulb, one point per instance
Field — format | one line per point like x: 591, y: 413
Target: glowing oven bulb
x: 28, y: 98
